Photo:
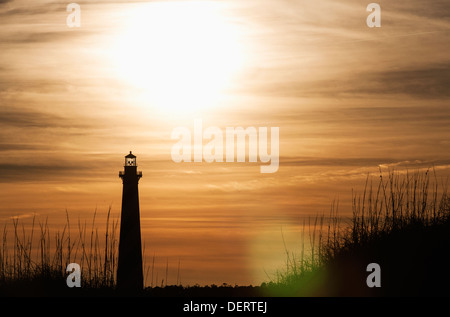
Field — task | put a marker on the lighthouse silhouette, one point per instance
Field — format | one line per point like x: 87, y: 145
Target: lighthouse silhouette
x: 129, y: 271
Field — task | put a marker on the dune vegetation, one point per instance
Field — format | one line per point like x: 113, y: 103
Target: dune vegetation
x: 400, y: 221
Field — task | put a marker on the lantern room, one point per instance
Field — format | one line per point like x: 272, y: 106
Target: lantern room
x: 130, y: 160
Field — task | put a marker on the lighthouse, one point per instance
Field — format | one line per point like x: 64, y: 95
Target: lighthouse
x: 129, y: 271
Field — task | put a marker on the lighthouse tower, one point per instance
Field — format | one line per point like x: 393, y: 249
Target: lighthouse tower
x: 129, y: 271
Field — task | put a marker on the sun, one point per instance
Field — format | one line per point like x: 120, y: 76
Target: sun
x: 181, y: 55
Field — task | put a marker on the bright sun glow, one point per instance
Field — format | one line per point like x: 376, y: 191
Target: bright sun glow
x: 182, y: 55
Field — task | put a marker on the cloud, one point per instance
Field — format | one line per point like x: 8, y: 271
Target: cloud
x: 361, y: 162
x: 375, y: 116
x: 425, y: 82
x: 31, y: 8
x: 34, y: 37
x: 19, y: 147
x: 11, y: 172
x: 422, y: 82
x: 25, y: 118
x: 438, y: 9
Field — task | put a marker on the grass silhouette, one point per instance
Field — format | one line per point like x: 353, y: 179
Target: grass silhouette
x: 402, y: 223
x: 36, y: 264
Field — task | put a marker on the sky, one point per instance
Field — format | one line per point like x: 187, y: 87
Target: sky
x: 347, y: 99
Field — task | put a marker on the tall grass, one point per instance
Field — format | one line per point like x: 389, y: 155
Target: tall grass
x: 397, y: 202
x: 408, y: 204
x: 36, y: 254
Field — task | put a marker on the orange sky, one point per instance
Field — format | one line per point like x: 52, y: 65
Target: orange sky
x: 347, y: 99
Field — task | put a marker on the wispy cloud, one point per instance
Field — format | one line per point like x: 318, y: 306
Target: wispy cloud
x: 428, y: 82
x: 363, y: 162
x: 35, y: 37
